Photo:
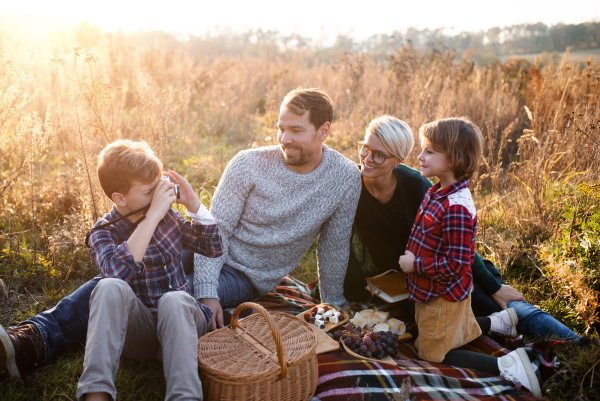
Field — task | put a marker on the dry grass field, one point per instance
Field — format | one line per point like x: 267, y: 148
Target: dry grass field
x: 537, y: 191
x: 573, y: 56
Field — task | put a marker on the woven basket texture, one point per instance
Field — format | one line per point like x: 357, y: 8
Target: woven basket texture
x: 244, y: 361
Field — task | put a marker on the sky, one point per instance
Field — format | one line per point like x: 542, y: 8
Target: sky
x: 318, y: 19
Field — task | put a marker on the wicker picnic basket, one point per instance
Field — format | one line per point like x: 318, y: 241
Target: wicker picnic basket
x: 266, y: 356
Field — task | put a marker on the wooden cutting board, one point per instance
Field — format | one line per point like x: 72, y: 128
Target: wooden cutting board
x: 324, y: 342
x: 385, y: 359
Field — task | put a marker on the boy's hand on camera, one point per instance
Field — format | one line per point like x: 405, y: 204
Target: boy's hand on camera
x: 163, y: 198
x: 406, y: 262
x: 188, y: 197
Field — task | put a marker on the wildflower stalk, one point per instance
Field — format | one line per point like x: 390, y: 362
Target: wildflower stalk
x: 85, y: 163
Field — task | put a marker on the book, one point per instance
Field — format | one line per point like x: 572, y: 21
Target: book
x: 389, y: 286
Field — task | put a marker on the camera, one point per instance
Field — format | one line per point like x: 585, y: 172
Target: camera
x: 177, y: 194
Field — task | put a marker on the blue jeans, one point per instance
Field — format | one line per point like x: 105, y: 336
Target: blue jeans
x: 234, y: 286
x: 531, y: 319
x: 535, y: 321
x: 65, y: 325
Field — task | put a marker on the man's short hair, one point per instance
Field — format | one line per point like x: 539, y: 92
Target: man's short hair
x: 460, y: 139
x: 315, y: 101
x: 396, y: 135
x: 124, y: 162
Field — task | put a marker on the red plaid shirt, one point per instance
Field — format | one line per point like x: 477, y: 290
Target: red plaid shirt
x: 161, y: 269
x: 443, y: 241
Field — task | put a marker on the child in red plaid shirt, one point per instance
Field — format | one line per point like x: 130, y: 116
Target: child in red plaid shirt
x: 439, y: 254
x: 441, y: 246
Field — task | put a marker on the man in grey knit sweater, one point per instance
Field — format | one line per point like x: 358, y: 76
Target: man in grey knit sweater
x: 272, y: 202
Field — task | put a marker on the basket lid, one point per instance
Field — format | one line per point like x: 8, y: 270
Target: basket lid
x: 250, y: 349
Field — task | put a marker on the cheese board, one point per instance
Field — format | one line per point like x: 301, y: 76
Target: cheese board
x: 335, y: 318
x: 324, y: 342
x: 370, y: 345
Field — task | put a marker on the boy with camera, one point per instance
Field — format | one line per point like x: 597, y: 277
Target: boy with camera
x: 141, y: 308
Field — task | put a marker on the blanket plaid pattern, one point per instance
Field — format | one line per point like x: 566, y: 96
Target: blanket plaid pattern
x: 344, y: 378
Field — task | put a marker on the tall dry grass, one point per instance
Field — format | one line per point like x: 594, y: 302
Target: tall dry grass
x: 61, y: 104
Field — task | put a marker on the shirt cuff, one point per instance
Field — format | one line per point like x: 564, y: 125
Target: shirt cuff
x: 206, y: 291
x: 207, y: 311
x: 202, y: 216
x: 418, y: 266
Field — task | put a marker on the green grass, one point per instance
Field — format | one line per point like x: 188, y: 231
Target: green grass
x: 58, y: 379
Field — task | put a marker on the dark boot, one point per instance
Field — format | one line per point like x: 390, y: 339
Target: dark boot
x: 20, y: 349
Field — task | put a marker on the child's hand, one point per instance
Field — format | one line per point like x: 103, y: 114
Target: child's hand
x: 188, y: 197
x: 406, y: 262
x: 163, y: 198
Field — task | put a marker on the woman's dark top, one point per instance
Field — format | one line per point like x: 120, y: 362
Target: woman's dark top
x: 384, y: 231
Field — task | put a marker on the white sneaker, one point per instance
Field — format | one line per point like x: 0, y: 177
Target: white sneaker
x: 517, y: 368
x: 504, y: 322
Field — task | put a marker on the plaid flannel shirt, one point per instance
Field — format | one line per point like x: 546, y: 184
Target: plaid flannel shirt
x: 161, y: 269
x: 443, y: 241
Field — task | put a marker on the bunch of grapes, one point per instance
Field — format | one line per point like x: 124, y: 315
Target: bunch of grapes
x: 370, y: 345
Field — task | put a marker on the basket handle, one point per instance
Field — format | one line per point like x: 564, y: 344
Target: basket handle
x: 272, y: 326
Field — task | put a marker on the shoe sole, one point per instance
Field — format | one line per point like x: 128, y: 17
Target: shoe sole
x: 7, y: 356
x: 512, y: 313
x: 533, y: 380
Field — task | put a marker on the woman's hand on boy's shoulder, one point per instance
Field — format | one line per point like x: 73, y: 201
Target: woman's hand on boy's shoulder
x: 188, y: 197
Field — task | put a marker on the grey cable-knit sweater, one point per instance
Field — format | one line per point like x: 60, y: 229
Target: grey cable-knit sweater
x: 269, y: 216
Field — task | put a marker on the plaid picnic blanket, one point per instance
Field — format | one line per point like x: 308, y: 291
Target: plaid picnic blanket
x: 345, y: 378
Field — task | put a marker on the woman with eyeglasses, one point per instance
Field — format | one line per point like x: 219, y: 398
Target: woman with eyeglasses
x: 389, y: 201
x: 390, y: 198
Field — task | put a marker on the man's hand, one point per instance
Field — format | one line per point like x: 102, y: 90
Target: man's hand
x: 216, y: 321
x: 406, y: 262
x: 506, y: 294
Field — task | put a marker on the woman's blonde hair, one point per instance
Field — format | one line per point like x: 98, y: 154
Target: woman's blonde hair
x: 396, y: 135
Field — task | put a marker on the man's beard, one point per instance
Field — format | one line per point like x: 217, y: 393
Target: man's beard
x: 296, y: 160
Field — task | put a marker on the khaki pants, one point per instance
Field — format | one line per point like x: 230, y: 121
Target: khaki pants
x: 443, y: 326
x: 120, y: 324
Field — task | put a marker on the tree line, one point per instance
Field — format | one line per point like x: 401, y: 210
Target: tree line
x: 496, y: 41
x: 483, y: 46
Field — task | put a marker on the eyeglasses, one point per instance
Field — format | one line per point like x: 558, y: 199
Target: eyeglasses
x: 376, y: 156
